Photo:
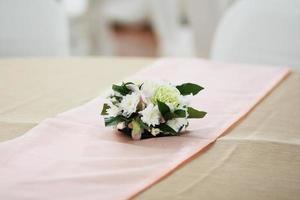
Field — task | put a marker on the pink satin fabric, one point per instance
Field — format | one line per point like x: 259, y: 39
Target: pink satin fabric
x: 73, y: 156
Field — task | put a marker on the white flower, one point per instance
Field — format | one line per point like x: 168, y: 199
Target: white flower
x: 114, y: 100
x: 167, y: 94
x: 111, y: 93
x: 149, y: 88
x: 155, y: 131
x: 121, y: 125
x: 171, y: 106
x: 177, y: 123
x: 150, y: 115
x: 113, y: 111
x: 133, y: 87
x: 185, y: 100
x: 129, y: 103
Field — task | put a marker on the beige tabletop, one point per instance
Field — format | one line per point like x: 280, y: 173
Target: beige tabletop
x: 258, y: 159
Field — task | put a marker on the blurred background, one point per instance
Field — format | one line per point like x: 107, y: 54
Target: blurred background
x: 140, y: 27
x: 250, y: 31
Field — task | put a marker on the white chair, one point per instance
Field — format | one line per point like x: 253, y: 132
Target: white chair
x: 174, y: 39
x: 33, y: 28
x: 204, y: 16
x: 260, y: 31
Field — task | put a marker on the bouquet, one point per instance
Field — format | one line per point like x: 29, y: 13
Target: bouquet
x: 150, y: 109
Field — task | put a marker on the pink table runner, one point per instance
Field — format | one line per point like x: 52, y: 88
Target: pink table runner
x: 73, y: 156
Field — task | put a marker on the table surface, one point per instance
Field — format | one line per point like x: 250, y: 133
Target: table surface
x: 258, y: 159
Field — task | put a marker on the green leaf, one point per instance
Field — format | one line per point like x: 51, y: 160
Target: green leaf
x: 167, y: 129
x: 193, y: 113
x: 123, y: 90
x: 136, y: 127
x: 142, y: 124
x: 104, y: 109
x: 180, y: 113
x: 164, y: 110
x: 140, y: 87
x: 119, y: 99
x: 189, y: 88
x: 112, y: 121
x: 132, y: 116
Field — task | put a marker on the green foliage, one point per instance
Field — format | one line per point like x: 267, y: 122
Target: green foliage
x: 141, y: 123
x: 189, y: 88
x: 193, y: 113
x: 136, y: 127
x: 164, y: 110
x: 113, y: 121
x: 123, y: 90
x: 179, y: 113
x: 167, y: 129
x: 104, y: 109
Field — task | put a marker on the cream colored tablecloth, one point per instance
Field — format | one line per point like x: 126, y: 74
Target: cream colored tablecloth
x: 258, y: 159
